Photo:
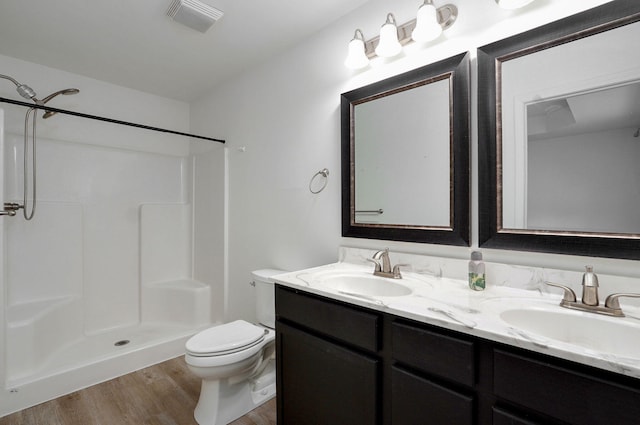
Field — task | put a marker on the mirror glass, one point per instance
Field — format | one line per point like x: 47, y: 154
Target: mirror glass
x: 405, y: 156
x: 394, y: 159
x: 562, y: 138
x: 580, y: 163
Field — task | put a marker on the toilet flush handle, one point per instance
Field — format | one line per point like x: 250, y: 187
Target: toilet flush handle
x: 252, y: 283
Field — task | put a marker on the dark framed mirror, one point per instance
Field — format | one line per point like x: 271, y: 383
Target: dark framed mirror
x: 558, y: 128
x: 405, y: 156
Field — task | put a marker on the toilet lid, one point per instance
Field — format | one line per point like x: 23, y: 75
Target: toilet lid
x: 225, y: 339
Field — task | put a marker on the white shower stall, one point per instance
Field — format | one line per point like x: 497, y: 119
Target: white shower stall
x: 122, y: 260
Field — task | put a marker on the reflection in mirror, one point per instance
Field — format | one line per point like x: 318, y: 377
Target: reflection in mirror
x: 582, y: 162
x: 559, y: 113
x: 405, y: 156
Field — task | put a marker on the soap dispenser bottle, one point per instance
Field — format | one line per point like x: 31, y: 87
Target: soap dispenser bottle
x: 590, y: 287
x: 476, y: 272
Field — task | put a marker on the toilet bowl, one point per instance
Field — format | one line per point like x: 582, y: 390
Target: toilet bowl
x: 236, y: 361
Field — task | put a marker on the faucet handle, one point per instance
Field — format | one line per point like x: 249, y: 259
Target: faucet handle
x: 396, y: 270
x: 378, y: 266
x: 613, y: 303
x: 569, y: 295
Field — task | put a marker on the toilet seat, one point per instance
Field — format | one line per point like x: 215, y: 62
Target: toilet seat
x: 225, y: 339
x: 239, y: 355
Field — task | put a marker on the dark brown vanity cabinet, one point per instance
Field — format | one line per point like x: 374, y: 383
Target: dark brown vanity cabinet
x: 329, y: 370
x: 343, y: 364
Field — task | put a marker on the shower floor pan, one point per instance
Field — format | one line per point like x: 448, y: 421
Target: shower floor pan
x: 94, y: 359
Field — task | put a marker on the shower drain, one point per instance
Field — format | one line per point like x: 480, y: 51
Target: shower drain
x: 122, y: 342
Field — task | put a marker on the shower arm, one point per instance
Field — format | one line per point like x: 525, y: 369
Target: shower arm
x: 23, y: 89
x: 13, y: 80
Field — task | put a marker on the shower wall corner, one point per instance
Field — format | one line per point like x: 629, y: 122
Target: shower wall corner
x: 3, y: 292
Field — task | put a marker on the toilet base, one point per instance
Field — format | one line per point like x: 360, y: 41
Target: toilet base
x: 223, y: 401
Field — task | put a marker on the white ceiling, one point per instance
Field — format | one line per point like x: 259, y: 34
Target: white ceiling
x: 133, y: 43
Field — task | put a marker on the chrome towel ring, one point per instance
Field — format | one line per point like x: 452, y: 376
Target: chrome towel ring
x: 324, y: 173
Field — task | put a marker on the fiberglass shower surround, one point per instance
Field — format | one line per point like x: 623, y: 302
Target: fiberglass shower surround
x: 27, y: 92
x: 121, y: 263
x: 117, y: 269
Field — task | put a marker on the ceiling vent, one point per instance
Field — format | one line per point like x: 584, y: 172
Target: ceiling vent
x: 194, y: 14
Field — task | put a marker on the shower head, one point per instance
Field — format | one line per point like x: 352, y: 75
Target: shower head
x: 65, y: 91
x: 52, y: 95
x: 23, y: 89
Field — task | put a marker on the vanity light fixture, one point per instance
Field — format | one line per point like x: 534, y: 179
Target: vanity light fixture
x: 513, y: 4
x: 428, y: 26
x: 357, y: 58
x: 388, y: 45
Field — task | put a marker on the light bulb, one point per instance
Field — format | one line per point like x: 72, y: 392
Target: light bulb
x: 427, y: 26
x: 388, y: 46
x: 356, y: 58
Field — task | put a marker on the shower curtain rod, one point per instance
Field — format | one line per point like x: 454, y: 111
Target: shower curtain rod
x: 110, y: 120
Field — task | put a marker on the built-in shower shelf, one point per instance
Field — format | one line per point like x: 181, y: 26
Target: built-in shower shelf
x: 180, y: 301
x: 37, y: 329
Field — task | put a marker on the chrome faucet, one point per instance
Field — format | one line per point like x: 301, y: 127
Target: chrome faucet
x: 590, y: 301
x: 384, y: 269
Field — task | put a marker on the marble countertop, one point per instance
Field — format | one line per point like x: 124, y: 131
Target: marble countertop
x: 449, y: 303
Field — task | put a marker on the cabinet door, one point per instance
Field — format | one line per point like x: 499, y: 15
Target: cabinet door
x: 418, y: 401
x: 562, y: 393
x: 321, y: 383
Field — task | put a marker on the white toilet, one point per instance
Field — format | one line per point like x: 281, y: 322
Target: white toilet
x: 236, y: 361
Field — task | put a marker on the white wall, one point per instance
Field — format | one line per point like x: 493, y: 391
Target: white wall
x: 282, y: 124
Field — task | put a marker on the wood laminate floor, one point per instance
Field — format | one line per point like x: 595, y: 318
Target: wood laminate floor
x: 164, y: 394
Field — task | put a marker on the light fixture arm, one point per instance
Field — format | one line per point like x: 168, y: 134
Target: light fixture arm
x: 358, y: 35
x: 391, y: 19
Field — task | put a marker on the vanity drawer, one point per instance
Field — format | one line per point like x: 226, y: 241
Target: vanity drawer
x: 415, y: 400
x: 432, y: 352
x: 568, y: 395
x: 345, y: 323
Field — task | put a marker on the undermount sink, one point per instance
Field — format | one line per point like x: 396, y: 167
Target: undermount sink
x: 363, y: 284
x: 597, y: 333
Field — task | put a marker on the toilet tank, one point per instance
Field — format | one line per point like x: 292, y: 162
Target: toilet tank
x: 265, y: 296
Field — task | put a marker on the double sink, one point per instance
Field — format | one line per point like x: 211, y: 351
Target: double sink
x: 508, y: 314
